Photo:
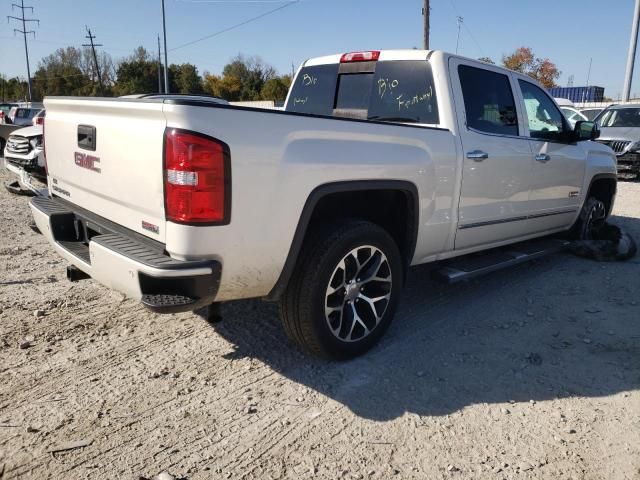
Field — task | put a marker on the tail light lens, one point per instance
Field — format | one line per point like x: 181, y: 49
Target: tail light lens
x: 38, y: 121
x: 196, y: 179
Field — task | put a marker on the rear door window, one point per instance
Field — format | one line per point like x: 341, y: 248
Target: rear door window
x: 314, y: 90
x: 488, y: 101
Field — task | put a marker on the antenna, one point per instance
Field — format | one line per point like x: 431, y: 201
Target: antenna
x: 24, y: 32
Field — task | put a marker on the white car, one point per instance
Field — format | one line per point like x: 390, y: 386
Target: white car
x: 573, y: 115
x: 24, y: 156
x: 381, y: 160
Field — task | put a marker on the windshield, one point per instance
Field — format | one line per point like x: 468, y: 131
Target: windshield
x: 621, y: 117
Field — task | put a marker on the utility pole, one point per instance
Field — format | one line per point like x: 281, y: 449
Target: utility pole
x: 584, y: 93
x: 159, y: 68
x: 24, y: 32
x: 425, y: 17
x: 95, y: 57
x: 460, y: 20
x: 166, y: 66
x: 626, y: 93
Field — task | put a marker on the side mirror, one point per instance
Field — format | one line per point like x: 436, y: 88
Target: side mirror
x: 585, y: 131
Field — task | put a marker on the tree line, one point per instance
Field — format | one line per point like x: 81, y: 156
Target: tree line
x: 71, y: 71
x: 523, y: 60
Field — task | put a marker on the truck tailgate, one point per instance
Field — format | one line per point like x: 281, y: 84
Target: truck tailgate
x: 106, y: 156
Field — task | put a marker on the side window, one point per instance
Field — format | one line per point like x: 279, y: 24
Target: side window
x: 488, y: 101
x: 314, y: 90
x: 544, y: 117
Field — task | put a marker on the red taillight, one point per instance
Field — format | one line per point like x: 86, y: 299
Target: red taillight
x: 196, y: 178
x: 38, y: 121
x: 371, y: 56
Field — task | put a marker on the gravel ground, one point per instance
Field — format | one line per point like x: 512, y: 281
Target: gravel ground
x: 532, y: 372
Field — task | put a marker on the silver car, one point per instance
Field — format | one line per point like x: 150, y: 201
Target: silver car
x: 620, y: 130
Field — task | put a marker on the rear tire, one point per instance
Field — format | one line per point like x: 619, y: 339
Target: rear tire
x: 344, y: 290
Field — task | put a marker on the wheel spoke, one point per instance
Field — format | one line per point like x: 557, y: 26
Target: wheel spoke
x: 372, y: 304
x: 356, y: 321
x: 365, y: 262
x: 331, y: 290
x: 329, y: 311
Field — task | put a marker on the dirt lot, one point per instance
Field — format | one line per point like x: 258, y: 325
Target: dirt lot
x: 532, y: 372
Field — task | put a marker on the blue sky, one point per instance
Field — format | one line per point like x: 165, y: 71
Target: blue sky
x: 569, y: 32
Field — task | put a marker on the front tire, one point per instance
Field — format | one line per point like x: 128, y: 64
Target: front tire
x: 592, y: 217
x: 344, y: 291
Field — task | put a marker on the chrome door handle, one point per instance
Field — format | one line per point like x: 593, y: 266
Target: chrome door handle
x: 543, y: 158
x: 477, y: 155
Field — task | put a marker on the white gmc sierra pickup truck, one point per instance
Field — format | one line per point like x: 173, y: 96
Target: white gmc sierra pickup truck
x: 380, y: 161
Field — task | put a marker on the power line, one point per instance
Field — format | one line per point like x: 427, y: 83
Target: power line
x: 95, y: 58
x: 466, y: 27
x: 253, y: 19
x: 24, y: 32
x: 68, y: 44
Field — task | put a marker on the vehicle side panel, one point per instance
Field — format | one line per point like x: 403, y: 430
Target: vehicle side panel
x: 277, y: 160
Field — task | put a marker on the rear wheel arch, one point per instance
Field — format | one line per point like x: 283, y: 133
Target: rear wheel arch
x: 404, y: 228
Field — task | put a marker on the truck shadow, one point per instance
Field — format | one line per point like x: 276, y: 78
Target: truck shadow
x: 558, y: 327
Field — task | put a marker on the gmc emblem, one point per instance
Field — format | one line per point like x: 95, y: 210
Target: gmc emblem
x: 87, y: 161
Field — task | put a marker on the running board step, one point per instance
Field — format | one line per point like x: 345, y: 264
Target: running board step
x: 482, y: 263
x: 168, y: 303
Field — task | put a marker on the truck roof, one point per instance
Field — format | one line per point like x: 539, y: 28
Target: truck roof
x: 402, y: 54
x: 385, y: 55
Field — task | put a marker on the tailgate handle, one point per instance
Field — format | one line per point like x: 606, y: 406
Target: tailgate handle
x: 87, y: 137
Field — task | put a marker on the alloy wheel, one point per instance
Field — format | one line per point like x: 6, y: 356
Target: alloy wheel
x: 358, y: 293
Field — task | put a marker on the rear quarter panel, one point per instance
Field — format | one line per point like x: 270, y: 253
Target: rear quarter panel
x: 278, y: 159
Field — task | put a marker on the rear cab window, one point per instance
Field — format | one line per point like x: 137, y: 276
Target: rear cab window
x: 314, y: 90
x: 394, y: 91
